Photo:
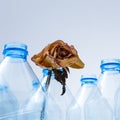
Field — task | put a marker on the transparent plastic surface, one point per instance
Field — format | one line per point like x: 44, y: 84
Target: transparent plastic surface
x: 47, y: 107
x: 35, y: 103
x: 17, y: 71
x: 18, y: 115
x: 52, y: 110
x: 89, y: 103
x: 117, y: 105
x: 8, y: 102
x: 33, y: 109
x: 109, y: 82
x: 54, y: 89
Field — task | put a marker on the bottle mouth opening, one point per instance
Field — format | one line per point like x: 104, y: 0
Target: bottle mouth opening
x: 15, y: 49
x: 15, y: 45
x: 90, y: 79
x: 109, y: 64
x: 46, y: 71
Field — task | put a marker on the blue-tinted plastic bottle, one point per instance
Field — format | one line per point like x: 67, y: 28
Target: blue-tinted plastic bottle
x: 17, y: 71
x: 117, y: 105
x: 109, y: 82
x: 89, y: 103
x: 41, y: 106
x: 54, y: 88
x: 8, y: 102
x: 34, y: 106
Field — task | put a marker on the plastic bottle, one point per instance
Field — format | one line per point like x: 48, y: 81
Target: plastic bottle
x: 54, y: 89
x: 8, y: 102
x: 41, y: 106
x: 33, y: 107
x: 17, y: 71
x: 89, y: 103
x: 109, y: 82
x: 117, y: 105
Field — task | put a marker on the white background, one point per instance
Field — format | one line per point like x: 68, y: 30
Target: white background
x: 92, y: 26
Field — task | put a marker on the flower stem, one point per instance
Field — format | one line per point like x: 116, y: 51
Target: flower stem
x: 48, y: 80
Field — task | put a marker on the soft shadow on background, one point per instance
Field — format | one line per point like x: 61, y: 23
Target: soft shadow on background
x: 92, y: 26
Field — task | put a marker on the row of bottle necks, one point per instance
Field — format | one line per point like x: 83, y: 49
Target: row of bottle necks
x: 24, y: 97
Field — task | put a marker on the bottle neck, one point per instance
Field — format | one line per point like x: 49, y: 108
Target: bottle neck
x: 46, y: 79
x: 15, y: 50
x: 110, y: 67
x: 90, y: 83
x: 88, y: 80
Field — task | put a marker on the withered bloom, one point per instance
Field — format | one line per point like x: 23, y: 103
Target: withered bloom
x: 58, y: 55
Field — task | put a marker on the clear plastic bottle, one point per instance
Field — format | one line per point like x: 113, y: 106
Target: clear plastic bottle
x: 8, y: 102
x: 89, y: 103
x: 54, y: 89
x: 34, y: 105
x: 109, y: 82
x: 52, y: 110
x: 41, y: 106
x: 117, y: 105
x: 17, y: 71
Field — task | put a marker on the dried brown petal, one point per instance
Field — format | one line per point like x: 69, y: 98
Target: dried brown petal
x: 58, y: 54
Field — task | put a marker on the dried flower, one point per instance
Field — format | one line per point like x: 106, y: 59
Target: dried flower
x: 58, y: 55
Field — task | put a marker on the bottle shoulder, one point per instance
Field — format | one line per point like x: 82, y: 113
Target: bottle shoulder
x: 87, y: 91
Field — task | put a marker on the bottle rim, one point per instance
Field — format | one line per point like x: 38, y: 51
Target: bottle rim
x: 110, y: 63
x: 91, y: 78
x: 15, y: 46
x: 46, y: 71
